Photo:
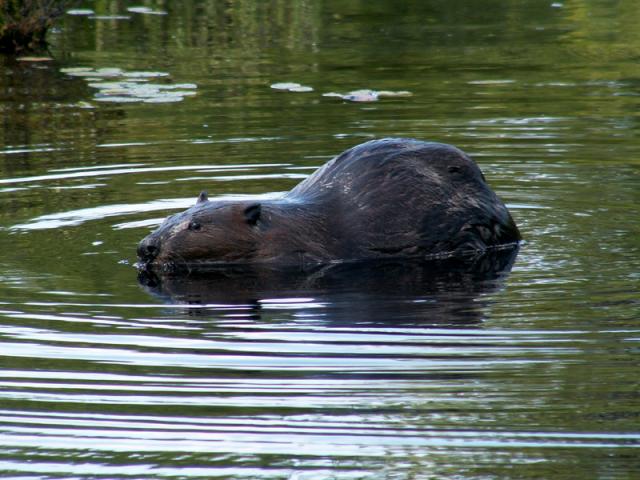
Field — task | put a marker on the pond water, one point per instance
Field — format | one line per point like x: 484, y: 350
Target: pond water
x: 530, y: 371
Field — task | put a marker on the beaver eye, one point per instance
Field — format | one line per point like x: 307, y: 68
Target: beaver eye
x: 194, y: 226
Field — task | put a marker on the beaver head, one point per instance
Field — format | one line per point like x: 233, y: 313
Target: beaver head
x: 224, y: 231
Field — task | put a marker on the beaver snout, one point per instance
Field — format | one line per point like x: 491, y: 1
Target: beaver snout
x: 148, y: 249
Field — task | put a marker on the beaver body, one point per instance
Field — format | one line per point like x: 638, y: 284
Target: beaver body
x: 389, y: 198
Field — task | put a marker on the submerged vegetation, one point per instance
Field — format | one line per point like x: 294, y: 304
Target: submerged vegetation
x: 24, y: 23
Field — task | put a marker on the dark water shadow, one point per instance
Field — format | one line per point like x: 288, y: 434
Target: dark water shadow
x: 451, y: 292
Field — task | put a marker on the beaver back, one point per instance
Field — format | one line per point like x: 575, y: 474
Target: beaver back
x: 408, y: 197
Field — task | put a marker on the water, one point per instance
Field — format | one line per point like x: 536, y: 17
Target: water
x: 398, y: 372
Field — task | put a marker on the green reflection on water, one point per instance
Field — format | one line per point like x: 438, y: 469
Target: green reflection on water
x: 545, y: 98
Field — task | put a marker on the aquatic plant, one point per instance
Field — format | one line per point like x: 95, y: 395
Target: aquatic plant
x: 119, y: 86
x: 24, y: 23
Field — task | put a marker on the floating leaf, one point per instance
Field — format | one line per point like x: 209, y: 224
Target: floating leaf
x: 110, y: 17
x: 361, y: 96
x: 146, y: 11
x: 115, y: 92
x: 107, y: 85
x: 181, y: 86
x: 70, y: 70
x: 291, y: 87
x: 116, y: 99
x: 34, y: 59
x: 285, y: 85
x: 89, y: 72
x: 139, y: 9
x: 145, y: 74
x: 301, y: 88
x: 388, y: 93
x: 84, y: 105
x: 134, y: 86
x: 158, y: 86
x: 164, y: 99
x: 108, y: 72
x: 82, y: 73
x: 80, y: 11
x: 366, y: 95
x: 183, y: 93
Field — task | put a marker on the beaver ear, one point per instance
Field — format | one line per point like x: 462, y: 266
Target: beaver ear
x: 203, y: 197
x: 252, y: 213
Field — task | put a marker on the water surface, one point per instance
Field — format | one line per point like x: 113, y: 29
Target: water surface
x: 529, y: 371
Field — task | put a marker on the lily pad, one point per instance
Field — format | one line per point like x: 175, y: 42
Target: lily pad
x: 366, y: 95
x: 116, y: 99
x: 70, y: 70
x: 361, y: 96
x: 164, y: 99
x: 139, y: 9
x: 108, y: 72
x: 108, y: 85
x: 182, y: 93
x: 82, y: 73
x: 114, y: 92
x: 90, y: 72
x: 400, y: 93
x: 146, y: 11
x: 119, y: 86
x: 34, y: 59
x: 291, y: 87
x: 144, y: 88
x: 80, y: 11
x: 181, y: 86
x: 301, y: 88
x: 109, y: 17
x: 284, y: 85
x: 145, y: 74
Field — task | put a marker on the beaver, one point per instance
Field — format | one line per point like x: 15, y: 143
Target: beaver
x: 388, y: 198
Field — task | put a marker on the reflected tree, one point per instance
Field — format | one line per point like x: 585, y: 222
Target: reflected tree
x: 24, y: 23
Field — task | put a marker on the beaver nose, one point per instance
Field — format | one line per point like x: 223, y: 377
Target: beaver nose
x: 148, y: 250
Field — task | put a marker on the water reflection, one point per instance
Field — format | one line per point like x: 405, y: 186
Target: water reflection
x: 443, y: 293
x: 352, y: 372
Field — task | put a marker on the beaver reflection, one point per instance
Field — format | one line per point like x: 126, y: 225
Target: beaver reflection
x: 440, y: 293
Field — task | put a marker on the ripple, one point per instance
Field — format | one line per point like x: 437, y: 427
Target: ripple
x: 109, y: 170
x: 28, y: 149
x: 342, y: 436
x: 74, y: 218
x: 314, y: 376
